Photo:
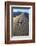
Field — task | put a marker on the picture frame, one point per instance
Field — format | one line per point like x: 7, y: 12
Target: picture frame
x: 10, y: 8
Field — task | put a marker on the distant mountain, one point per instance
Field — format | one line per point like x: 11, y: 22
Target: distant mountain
x: 18, y: 13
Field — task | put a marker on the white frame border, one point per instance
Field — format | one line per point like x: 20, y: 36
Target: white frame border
x: 30, y: 26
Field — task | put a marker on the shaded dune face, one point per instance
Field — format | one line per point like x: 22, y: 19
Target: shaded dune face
x: 20, y: 25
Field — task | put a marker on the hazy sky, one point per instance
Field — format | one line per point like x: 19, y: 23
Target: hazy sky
x: 21, y: 10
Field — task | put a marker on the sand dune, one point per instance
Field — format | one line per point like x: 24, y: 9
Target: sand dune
x: 20, y: 18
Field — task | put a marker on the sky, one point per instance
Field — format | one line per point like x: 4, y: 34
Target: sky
x: 21, y: 10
